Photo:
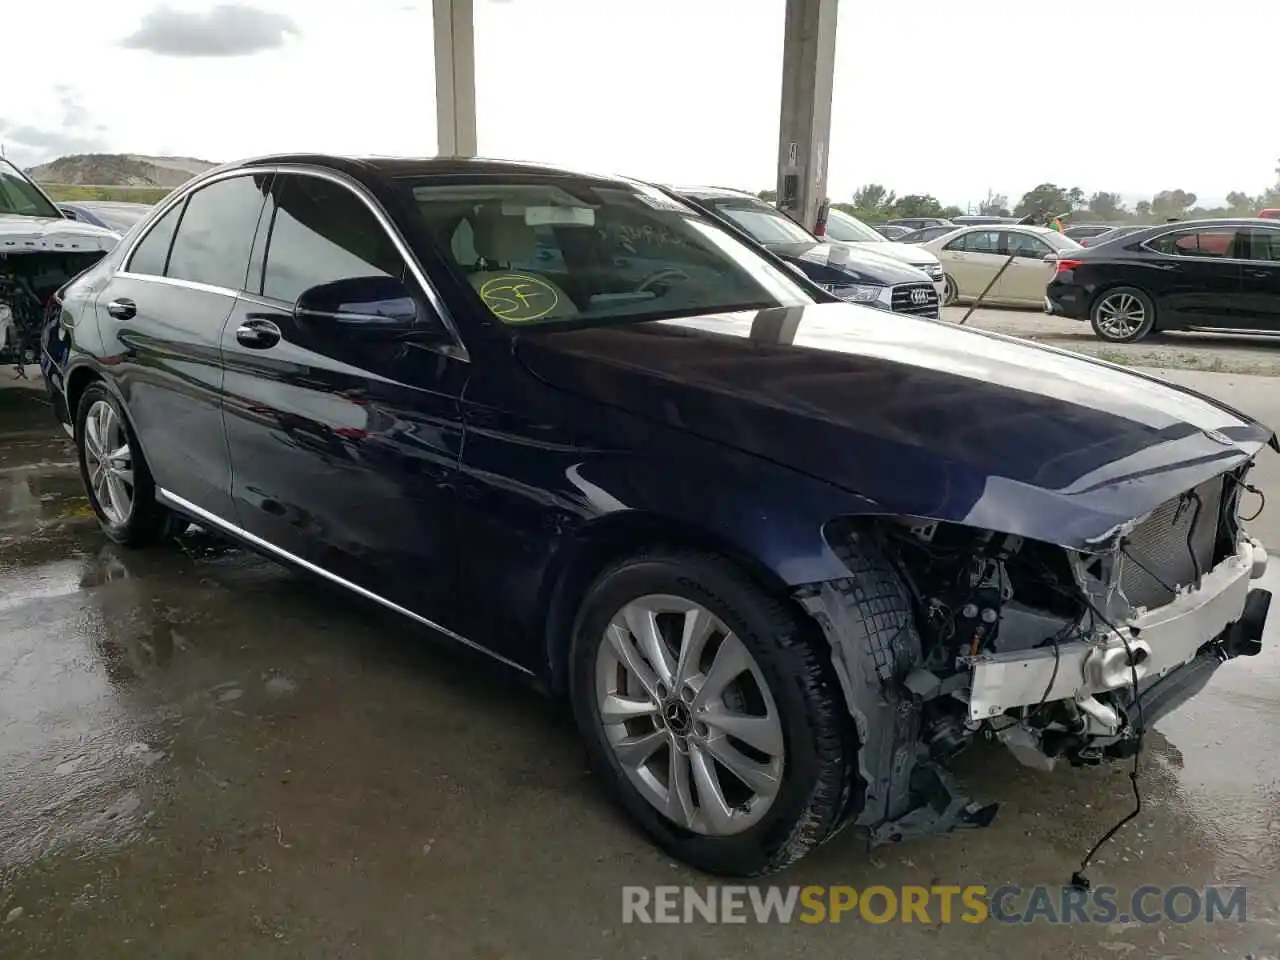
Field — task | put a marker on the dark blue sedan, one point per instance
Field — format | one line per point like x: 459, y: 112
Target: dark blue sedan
x: 785, y: 555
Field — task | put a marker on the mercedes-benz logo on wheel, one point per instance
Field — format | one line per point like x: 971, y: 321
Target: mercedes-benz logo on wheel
x: 919, y: 297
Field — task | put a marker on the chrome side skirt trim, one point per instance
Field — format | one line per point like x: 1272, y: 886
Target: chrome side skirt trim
x: 200, y: 514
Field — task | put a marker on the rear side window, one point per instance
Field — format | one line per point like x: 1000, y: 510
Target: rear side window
x: 322, y: 232
x: 152, y: 254
x: 979, y: 241
x: 1200, y: 243
x: 1264, y: 245
x: 216, y: 232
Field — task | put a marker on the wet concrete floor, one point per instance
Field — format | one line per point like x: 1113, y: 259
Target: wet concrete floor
x: 204, y: 755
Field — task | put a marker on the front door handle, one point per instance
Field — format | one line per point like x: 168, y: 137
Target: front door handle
x: 122, y: 308
x: 257, y: 334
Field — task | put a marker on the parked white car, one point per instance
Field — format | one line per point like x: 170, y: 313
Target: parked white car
x: 972, y: 257
x: 847, y: 230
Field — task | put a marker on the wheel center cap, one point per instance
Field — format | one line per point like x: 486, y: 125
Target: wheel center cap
x: 677, y: 717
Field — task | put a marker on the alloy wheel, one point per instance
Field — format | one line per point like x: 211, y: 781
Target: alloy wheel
x: 689, y: 715
x: 1120, y: 316
x: 950, y: 292
x: 109, y: 462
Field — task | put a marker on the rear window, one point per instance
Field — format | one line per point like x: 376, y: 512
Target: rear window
x: 558, y: 252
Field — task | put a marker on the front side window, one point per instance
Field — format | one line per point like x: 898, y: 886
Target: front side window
x: 1025, y: 245
x: 216, y: 232
x: 20, y: 197
x: 554, y: 251
x: 1264, y: 245
x: 322, y: 232
x: 151, y: 255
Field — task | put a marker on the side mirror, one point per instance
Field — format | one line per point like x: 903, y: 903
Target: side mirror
x: 379, y: 306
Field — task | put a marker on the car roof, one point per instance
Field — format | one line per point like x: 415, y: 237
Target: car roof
x: 715, y: 193
x: 397, y: 168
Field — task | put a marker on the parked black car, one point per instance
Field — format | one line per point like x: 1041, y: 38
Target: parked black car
x: 1193, y: 275
x: 858, y: 276
x: 1115, y: 233
x: 784, y: 555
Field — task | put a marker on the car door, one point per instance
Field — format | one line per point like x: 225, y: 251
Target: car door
x: 973, y: 259
x: 1260, y: 279
x: 1200, y: 281
x: 166, y: 310
x: 1024, y: 280
x: 344, y: 443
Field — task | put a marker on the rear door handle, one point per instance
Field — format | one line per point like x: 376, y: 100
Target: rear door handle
x: 257, y: 334
x: 122, y: 308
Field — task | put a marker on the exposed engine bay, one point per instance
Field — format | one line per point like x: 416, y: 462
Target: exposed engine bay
x: 27, y: 281
x: 947, y: 633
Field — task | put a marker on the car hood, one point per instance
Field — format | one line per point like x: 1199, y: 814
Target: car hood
x: 33, y: 234
x: 859, y: 266
x: 905, y: 252
x: 921, y: 418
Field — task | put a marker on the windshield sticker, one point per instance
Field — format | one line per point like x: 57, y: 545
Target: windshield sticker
x: 660, y: 201
x: 518, y: 298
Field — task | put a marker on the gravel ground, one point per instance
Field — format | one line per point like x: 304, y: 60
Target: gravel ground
x: 1215, y: 353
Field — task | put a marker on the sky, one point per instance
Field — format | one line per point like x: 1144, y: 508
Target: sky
x: 948, y: 97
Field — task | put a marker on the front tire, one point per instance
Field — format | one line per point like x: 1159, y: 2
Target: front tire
x: 1122, y: 315
x: 713, y: 714
x: 950, y: 291
x: 115, y: 474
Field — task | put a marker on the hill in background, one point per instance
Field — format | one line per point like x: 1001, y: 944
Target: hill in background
x: 119, y: 170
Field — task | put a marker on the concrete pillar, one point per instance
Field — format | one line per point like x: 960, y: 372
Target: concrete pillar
x: 808, y: 65
x: 455, y: 36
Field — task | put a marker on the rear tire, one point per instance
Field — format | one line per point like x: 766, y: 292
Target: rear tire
x: 784, y: 700
x: 1122, y: 315
x: 115, y: 474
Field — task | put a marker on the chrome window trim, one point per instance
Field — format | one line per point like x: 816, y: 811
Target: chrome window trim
x: 175, y: 282
x: 202, y: 515
x: 458, y: 349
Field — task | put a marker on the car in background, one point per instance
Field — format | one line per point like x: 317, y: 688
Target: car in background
x: 925, y: 234
x: 847, y: 229
x: 973, y: 257
x: 969, y: 220
x: 40, y: 250
x: 1271, y: 213
x: 1081, y: 232
x: 891, y: 231
x: 917, y: 223
x: 1115, y: 233
x: 850, y: 273
x: 117, y: 215
x: 783, y: 556
x: 1193, y: 275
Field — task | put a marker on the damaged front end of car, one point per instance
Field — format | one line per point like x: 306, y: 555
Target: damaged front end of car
x: 944, y: 633
x: 28, y: 280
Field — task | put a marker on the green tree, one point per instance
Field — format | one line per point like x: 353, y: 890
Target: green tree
x: 1106, y: 206
x: 1172, y: 203
x: 951, y: 211
x: 769, y: 196
x: 1075, y: 199
x: 872, y: 199
x: 918, y: 205
x: 1042, y: 200
x: 1142, y: 209
x: 1240, y: 204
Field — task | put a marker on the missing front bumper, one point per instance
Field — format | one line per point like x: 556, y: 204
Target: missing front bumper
x: 1153, y: 644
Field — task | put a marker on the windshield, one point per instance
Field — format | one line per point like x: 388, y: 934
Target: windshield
x: 849, y: 229
x: 766, y: 224
x: 20, y: 196
x: 559, y: 252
